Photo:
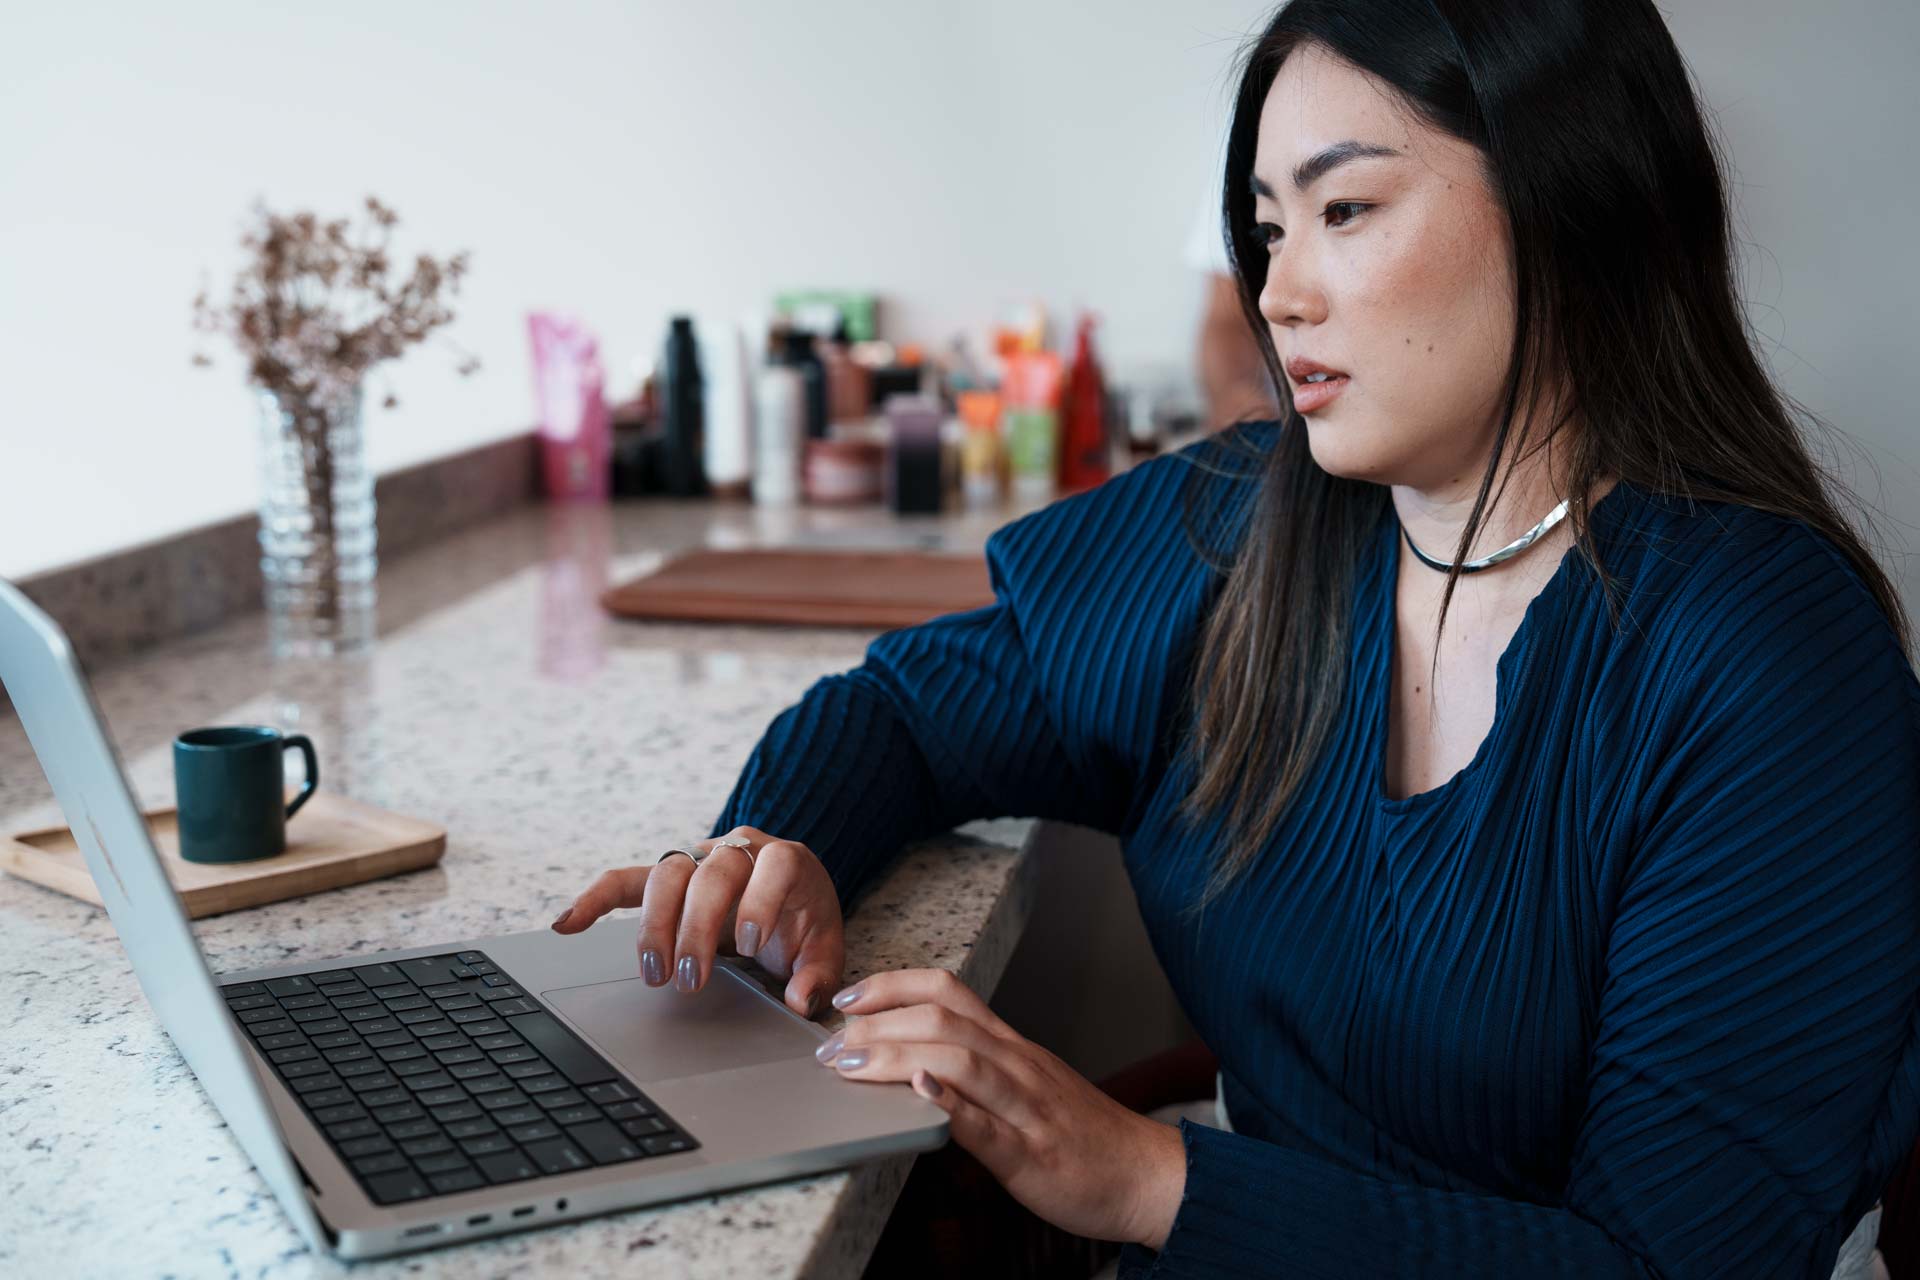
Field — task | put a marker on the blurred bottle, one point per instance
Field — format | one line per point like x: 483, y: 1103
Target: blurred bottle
x: 780, y: 430
x: 728, y: 452
x: 635, y: 433
x: 1085, y: 451
x: 797, y: 353
x: 913, y: 454
x: 1030, y: 407
x: 684, y: 401
x: 576, y: 431
x: 963, y: 371
x: 849, y: 383
x: 980, y: 460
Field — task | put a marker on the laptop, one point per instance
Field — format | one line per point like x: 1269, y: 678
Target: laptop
x: 416, y: 1097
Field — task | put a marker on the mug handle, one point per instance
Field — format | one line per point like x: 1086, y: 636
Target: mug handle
x: 305, y: 744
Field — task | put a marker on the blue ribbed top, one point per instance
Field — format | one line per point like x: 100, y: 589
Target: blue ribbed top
x: 1631, y: 994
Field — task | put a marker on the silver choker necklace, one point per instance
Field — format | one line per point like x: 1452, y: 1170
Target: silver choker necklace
x: 1507, y: 552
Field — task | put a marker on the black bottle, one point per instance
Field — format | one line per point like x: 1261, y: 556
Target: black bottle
x: 682, y: 411
x: 796, y: 350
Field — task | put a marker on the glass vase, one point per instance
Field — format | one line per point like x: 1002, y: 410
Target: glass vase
x: 317, y: 533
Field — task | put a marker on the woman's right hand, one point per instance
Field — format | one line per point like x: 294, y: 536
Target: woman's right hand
x: 779, y: 906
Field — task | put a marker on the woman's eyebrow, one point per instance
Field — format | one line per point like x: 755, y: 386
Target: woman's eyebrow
x: 1324, y: 161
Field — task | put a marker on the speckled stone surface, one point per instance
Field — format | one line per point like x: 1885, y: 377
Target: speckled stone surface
x: 553, y: 742
x: 127, y: 601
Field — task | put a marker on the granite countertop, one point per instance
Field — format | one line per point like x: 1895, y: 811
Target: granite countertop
x: 552, y: 742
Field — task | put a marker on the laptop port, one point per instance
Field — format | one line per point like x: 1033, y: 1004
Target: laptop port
x: 560, y: 1206
x: 523, y: 1211
x: 426, y: 1229
x: 479, y: 1219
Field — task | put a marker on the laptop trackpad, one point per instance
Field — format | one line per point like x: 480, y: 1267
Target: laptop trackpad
x: 660, y: 1033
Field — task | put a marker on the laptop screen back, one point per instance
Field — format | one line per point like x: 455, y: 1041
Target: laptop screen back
x: 64, y: 726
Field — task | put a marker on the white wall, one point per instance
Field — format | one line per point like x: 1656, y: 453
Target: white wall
x: 623, y: 160
x: 1817, y: 107
x: 631, y: 160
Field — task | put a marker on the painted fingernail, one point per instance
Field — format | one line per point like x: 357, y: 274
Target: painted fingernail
x: 933, y: 1088
x: 830, y: 1046
x: 651, y: 970
x: 849, y: 1061
x: 847, y: 997
x: 686, y: 974
x: 749, y: 938
x: 562, y: 917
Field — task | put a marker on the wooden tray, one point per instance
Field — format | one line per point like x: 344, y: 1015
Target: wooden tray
x: 834, y: 588
x: 332, y: 841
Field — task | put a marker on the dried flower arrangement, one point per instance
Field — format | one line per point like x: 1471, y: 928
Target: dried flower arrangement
x: 313, y: 310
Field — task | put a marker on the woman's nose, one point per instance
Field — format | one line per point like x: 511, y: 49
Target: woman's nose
x: 1292, y: 294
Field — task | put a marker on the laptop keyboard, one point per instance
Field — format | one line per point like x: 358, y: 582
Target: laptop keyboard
x: 440, y: 1075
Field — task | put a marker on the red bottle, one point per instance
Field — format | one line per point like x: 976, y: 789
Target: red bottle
x: 1084, y: 457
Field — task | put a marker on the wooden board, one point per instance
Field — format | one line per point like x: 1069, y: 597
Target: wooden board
x: 832, y: 588
x: 332, y: 841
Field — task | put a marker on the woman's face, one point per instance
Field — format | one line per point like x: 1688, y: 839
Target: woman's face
x: 1395, y: 269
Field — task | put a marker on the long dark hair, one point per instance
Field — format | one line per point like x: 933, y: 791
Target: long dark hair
x: 1613, y: 189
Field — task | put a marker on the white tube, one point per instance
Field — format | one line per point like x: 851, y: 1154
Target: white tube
x: 727, y: 447
x: 780, y: 414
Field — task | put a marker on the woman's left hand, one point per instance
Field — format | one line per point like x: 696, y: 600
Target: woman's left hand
x: 1058, y: 1144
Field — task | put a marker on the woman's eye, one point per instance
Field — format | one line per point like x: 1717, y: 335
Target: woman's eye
x: 1267, y: 234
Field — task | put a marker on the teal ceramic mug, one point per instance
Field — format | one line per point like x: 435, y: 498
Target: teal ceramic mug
x: 230, y: 791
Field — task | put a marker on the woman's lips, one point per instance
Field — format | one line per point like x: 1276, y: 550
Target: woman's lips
x: 1308, y: 396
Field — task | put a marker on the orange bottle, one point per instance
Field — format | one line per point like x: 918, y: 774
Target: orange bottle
x: 982, y: 462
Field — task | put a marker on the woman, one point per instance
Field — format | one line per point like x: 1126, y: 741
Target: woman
x: 1581, y: 937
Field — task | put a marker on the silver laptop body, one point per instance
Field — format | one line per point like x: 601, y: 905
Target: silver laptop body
x: 729, y: 1065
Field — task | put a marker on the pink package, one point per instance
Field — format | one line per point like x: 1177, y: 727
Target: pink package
x: 576, y: 431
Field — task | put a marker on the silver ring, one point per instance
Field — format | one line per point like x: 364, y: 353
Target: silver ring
x: 741, y: 843
x: 724, y: 842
